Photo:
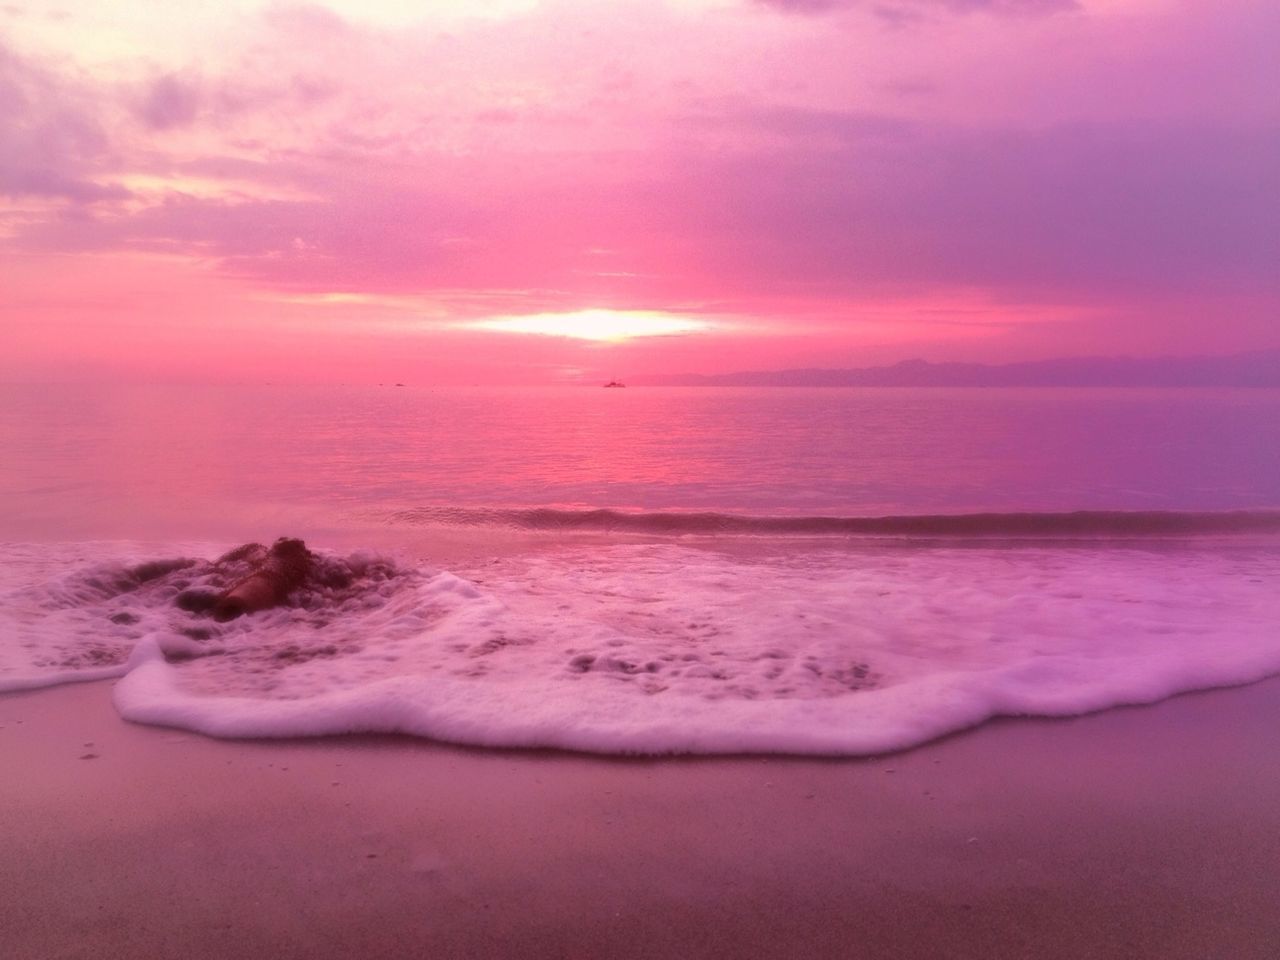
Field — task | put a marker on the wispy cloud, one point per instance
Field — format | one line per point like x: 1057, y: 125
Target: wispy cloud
x: 51, y: 144
x: 169, y: 101
x: 908, y: 8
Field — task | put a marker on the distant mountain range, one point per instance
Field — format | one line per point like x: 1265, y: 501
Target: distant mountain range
x: 1259, y: 368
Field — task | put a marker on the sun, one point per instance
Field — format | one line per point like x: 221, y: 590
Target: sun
x: 599, y: 324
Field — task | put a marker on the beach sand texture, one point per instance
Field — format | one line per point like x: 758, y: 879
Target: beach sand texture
x: 1139, y: 832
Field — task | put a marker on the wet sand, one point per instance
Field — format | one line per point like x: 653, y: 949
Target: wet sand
x: 1144, y: 832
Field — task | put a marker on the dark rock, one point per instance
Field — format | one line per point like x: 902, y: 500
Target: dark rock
x: 283, y: 569
x: 196, y: 601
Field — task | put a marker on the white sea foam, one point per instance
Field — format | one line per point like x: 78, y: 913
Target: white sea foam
x: 658, y: 648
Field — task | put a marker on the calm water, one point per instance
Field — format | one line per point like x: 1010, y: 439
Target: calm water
x: 86, y: 460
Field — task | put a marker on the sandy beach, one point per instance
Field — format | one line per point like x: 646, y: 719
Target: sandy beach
x: 1143, y: 832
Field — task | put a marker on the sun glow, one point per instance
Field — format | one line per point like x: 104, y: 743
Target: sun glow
x: 603, y: 325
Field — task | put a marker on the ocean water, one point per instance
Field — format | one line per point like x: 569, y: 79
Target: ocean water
x: 644, y: 570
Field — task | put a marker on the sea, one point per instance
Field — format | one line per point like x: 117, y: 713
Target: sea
x: 641, y: 570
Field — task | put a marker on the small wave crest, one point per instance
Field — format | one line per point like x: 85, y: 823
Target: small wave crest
x: 1075, y: 524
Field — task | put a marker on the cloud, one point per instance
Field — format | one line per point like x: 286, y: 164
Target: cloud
x: 1077, y: 209
x: 474, y: 166
x: 170, y: 101
x: 50, y: 144
x: 307, y: 20
x: 896, y: 10
x: 828, y: 206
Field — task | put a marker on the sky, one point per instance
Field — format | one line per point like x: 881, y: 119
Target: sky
x: 565, y: 191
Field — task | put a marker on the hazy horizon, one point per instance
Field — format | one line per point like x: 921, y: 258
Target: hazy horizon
x: 1253, y: 368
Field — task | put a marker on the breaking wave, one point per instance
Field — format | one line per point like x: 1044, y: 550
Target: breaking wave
x: 651, y: 648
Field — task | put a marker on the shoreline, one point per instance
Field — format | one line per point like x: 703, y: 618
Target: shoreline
x: 1134, y: 832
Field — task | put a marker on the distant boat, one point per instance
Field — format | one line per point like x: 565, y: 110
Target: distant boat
x: 615, y: 383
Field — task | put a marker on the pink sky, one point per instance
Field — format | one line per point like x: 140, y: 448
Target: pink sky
x: 365, y: 190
